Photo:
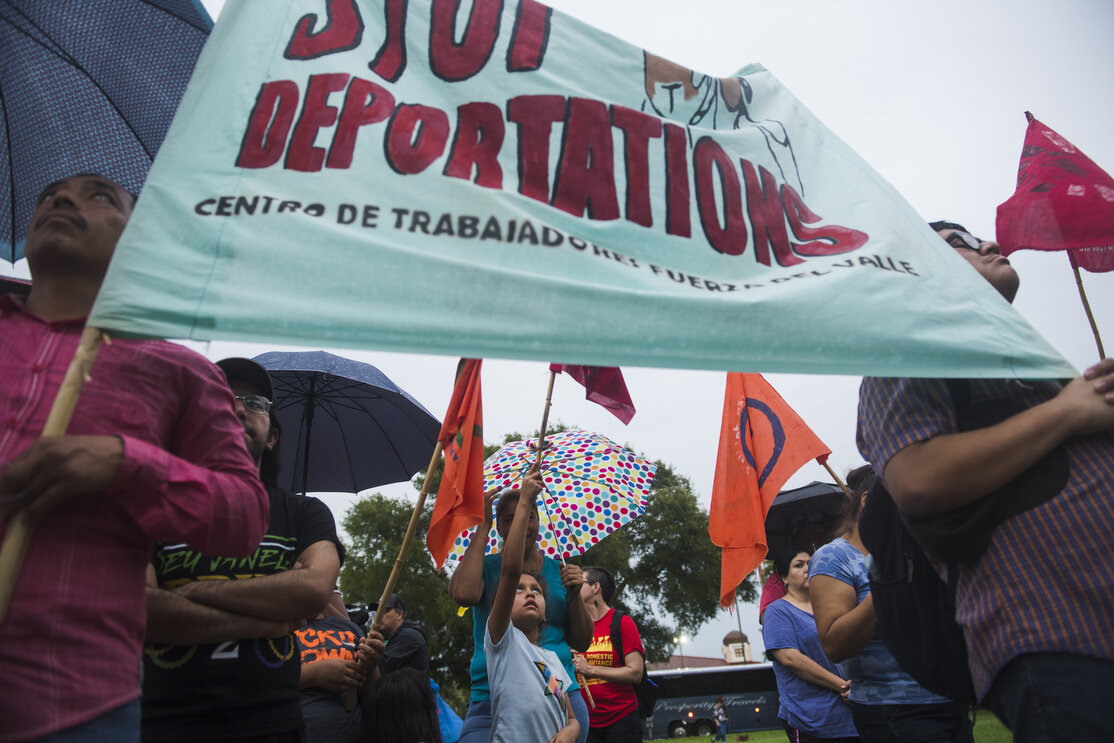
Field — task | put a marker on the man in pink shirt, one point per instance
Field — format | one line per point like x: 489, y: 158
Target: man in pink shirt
x: 154, y: 453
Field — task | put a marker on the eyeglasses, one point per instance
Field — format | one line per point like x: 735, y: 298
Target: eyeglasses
x: 255, y: 403
x: 964, y: 241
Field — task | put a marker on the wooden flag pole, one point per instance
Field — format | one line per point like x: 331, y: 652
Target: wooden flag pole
x: 545, y: 415
x: 20, y: 527
x: 406, y: 540
x: 1087, y: 309
x: 842, y: 485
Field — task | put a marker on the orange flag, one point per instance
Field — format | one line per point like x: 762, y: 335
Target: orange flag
x: 762, y: 442
x: 460, y: 498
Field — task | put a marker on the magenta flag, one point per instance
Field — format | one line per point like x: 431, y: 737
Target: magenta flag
x: 1063, y: 201
x: 603, y: 385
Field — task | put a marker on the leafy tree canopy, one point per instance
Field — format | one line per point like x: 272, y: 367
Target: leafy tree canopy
x: 665, y: 566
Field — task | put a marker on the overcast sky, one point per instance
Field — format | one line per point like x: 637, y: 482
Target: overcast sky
x: 931, y: 94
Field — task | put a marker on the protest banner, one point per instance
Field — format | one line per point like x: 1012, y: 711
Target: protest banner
x: 495, y: 179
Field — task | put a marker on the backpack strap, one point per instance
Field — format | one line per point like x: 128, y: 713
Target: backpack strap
x: 617, y: 636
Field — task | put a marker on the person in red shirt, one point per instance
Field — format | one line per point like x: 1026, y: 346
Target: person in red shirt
x: 154, y: 452
x: 610, y: 680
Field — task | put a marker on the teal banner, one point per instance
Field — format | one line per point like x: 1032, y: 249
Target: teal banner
x: 495, y: 179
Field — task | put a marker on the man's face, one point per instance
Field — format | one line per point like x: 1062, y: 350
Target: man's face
x: 75, y: 226
x: 392, y: 620
x: 987, y: 260
x: 258, y: 435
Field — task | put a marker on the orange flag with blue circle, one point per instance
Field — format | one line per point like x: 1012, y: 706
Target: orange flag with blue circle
x: 762, y: 443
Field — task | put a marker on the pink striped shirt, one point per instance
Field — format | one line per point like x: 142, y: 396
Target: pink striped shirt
x: 1046, y: 583
x: 70, y: 644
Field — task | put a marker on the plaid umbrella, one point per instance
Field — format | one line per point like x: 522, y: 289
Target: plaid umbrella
x: 87, y: 87
x: 593, y: 487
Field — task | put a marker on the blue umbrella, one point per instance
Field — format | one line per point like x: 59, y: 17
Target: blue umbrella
x: 346, y: 427
x: 87, y: 87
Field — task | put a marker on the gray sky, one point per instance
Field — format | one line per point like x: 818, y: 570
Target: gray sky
x: 931, y: 94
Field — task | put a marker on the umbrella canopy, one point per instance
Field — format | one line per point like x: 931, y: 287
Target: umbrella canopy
x: 87, y: 87
x: 346, y: 427
x: 803, y: 517
x: 593, y: 487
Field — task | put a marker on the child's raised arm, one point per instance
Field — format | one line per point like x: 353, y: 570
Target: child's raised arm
x: 514, y: 549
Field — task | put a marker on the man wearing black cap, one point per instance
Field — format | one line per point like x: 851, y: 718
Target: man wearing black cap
x: 220, y: 660
x: 406, y: 644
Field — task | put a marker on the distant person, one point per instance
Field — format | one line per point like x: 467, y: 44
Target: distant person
x: 401, y: 708
x: 530, y: 689
x: 887, y: 705
x: 337, y: 660
x: 608, y: 678
x: 406, y: 643
x: 473, y: 584
x: 1037, y: 605
x: 719, y: 712
x: 813, y: 693
x: 221, y: 662
x: 154, y: 452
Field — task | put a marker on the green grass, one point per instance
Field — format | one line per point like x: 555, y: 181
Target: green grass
x: 987, y: 730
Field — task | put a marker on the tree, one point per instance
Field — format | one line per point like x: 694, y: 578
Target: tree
x: 665, y: 566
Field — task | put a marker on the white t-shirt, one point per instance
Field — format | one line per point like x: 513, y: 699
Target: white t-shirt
x: 528, y: 687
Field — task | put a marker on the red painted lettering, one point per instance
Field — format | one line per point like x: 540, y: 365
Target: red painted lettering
x: 479, y: 137
x: 316, y: 113
x: 453, y: 61
x: 365, y: 103
x: 767, y: 219
x: 529, y: 38
x: 416, y: 136
x: 710, y: 162
x: 829, y: 239
x: 269, y: 124
x: 678, y: 220
x: 342, y: 31
x: 390, y: 60
x: 585, y: 181
x: 535, y: 116
x: 638, y: 128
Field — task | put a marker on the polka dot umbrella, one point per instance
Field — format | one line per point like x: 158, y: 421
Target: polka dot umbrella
x: 593, y: 487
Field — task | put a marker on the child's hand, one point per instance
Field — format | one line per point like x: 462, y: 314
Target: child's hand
x: 370, y: 651
x: 568, y: 734
x: 531, y: 484
x: 489, y: 503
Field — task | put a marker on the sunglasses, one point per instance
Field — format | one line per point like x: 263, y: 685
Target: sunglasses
x: 255, y: 403
x: 964, y: 241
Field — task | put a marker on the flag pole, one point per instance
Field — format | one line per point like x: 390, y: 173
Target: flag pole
x: 406, y: 540
x: 545, y: 415
x: 20, y: 527
x: 1087, y: 306
x: 842, y: 485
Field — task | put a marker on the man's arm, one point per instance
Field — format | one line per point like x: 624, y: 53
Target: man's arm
x: 844, y: 626
x: 952, y: 470
x: 172, y: 619
x: 291, y: 596
x: 466, y: 587
x: 629, y: 674
x: 579, y: 625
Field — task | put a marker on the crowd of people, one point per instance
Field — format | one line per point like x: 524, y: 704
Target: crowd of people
x: 173, y: 592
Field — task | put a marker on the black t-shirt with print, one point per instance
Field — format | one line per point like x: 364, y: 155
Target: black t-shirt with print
x: 238, y: 688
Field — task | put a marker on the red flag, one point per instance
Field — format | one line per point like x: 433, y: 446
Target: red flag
x: 603, y: 385
x: 1063, y: 201
x: 460, y: 499
x: 762, y: 442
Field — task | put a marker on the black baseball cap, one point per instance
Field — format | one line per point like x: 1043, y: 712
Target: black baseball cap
x: 394, y: 602
x: 245, y: 370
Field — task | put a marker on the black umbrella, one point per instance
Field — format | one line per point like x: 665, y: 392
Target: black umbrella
x: 87, y: 87
x: 346, y: 427
x: 804, y: 517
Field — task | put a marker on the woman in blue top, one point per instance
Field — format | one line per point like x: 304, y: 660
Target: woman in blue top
x: 812, y: 693
x: 888, y: 706
x: 567, y: 623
